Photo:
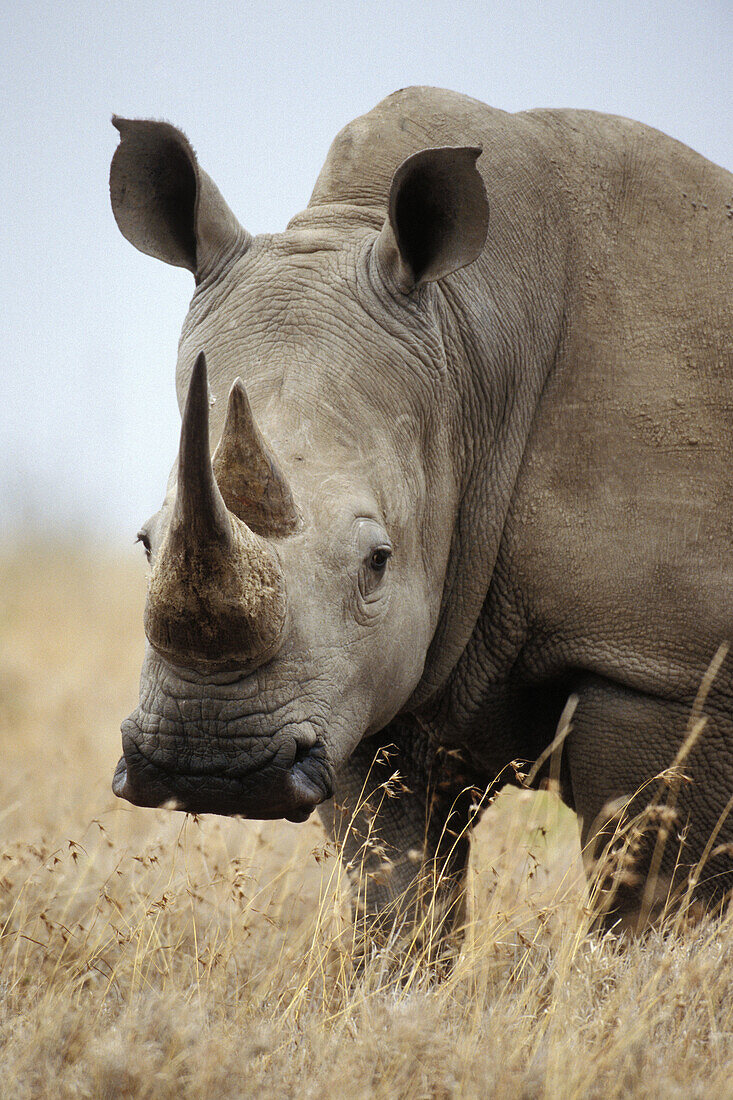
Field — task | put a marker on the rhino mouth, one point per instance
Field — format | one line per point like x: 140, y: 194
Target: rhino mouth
x: 290, y: 785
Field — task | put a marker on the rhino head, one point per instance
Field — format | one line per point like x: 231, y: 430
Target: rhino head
x: 297, y: 577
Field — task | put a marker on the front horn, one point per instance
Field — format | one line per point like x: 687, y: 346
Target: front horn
x: 217, y: 593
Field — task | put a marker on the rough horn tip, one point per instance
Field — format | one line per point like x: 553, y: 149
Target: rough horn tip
x: 196, y: 405
x: 238, y: 406
x: 198, y: 383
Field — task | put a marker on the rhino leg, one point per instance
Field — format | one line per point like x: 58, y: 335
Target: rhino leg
x: 644, y: 841
x: 401, y: 815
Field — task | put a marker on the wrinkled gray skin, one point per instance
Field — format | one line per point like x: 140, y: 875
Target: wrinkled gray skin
x: 543, y: 436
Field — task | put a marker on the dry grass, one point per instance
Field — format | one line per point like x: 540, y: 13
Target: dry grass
x: 145, y: 954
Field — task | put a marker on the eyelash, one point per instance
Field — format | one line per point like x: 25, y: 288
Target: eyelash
x: 143, y: 538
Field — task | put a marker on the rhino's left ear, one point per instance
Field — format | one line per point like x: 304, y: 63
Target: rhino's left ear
x: 165, y: 204
x: 438, y: 216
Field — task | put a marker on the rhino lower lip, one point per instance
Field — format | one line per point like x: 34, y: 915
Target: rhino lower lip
x: 119, y: 779
x: 297, y: 793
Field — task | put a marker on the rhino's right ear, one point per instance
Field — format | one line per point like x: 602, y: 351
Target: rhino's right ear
x: 437, y: 217
x: 165, y: 204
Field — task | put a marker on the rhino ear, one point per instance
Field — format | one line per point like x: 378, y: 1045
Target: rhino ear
x: 165, y: 204
x: 438, y: 216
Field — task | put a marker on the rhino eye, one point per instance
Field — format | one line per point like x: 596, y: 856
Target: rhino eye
x: 142, y: 536
x: 373, y: 569
x: 379, y: 558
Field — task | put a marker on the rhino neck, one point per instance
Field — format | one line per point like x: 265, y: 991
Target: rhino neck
x: 339, y: 215
x: 504, y: 322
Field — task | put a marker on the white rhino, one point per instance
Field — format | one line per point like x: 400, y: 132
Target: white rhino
x: 465, y: 468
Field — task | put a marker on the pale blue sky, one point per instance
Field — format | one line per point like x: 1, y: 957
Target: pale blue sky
x: 89, y: 423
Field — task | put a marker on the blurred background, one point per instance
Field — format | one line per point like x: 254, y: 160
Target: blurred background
x: 89, y: 423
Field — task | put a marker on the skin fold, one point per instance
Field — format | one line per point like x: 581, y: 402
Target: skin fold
x: 480, y: 458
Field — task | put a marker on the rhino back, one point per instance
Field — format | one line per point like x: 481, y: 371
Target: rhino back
x: 621, y: 529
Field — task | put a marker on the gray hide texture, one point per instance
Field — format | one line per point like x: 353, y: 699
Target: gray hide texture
x: 486, y: 469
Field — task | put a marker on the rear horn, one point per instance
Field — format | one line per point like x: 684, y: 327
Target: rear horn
x: 248, y: 475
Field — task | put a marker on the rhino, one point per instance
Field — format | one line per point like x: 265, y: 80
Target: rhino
x: 456, y: 448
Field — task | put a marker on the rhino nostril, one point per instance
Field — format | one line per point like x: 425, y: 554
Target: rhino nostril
x: 302, y: 752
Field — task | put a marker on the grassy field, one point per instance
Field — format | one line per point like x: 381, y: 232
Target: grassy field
x: 147, y: 954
